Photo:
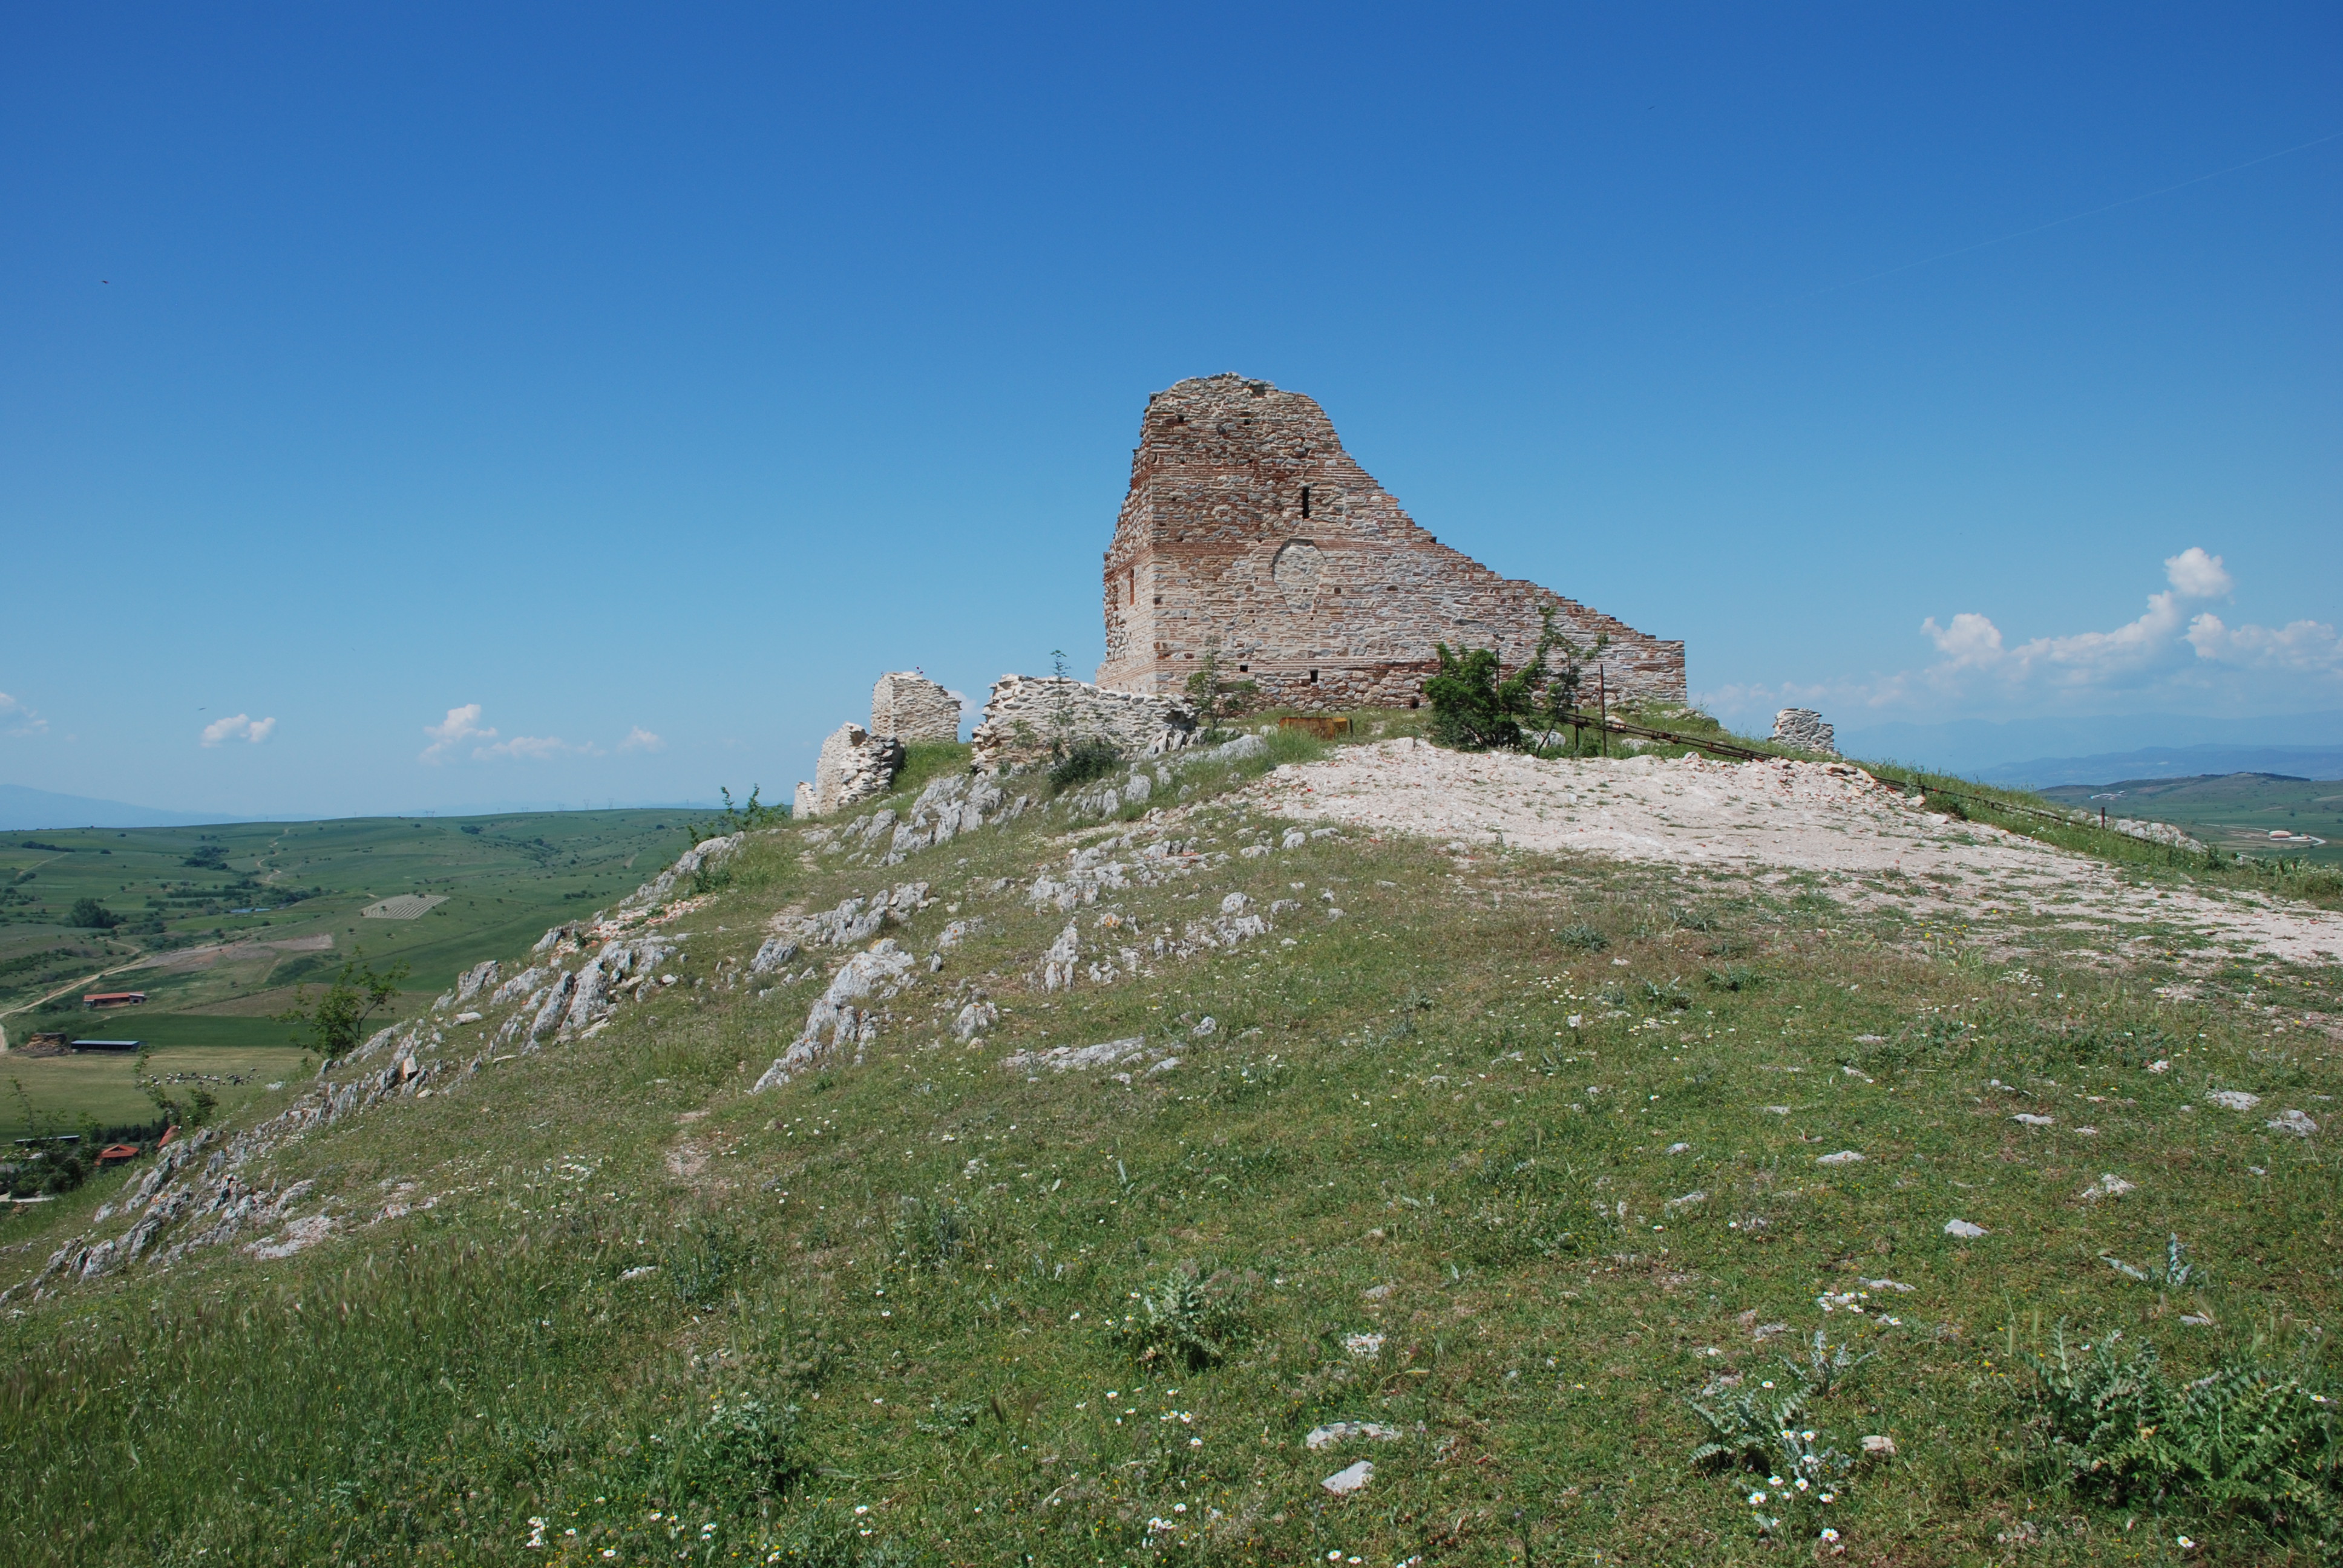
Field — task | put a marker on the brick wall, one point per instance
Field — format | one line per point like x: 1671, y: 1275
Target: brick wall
x: 1247, y: 524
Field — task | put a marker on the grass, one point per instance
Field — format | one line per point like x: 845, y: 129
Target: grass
x: 505, y: 879
x: 903, y: 1286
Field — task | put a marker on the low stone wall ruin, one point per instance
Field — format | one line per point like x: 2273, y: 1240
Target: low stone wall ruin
x: 1032, y: 719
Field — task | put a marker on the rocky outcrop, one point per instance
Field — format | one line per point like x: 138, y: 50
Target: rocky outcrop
x: 909, y: 707
x: 1803, y: 730
x: 854, y: 766
x: 839, y: 1019
x: 1035, y: 718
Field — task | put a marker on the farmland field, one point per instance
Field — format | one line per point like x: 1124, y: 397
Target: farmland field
x: 2231, y: 810
x: 221, y: 927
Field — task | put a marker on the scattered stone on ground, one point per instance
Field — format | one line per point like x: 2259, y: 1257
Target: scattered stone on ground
x: 1337, y: 1431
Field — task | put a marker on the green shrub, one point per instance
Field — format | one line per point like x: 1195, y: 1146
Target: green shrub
x: 1743, y: 1428
x: 1087, y: 760
x: 744, y: 1450
x: 2248, y: 1439
x: 1583, y: 938
x: 700, y: 1263
x: 92, y: 915
x: 1184, y: 1321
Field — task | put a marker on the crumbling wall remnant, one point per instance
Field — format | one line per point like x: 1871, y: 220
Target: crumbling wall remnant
x: 1249, y: 532
x: 1804, y: 729
x: 854, y: 766
x: 910, y: 706
x: 1035, y: 718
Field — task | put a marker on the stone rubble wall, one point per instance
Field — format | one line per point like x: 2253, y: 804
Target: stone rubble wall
x: 1249, y: 530
x: 910, y: 706
x: 1805, y: 729
x: 1030, y: 716
x: 855, y: 766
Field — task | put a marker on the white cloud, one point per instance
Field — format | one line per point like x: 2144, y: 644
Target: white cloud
x: 2301, y: 645
x: 534, y: 748
x: 2196, y: 575
x: 238, y: 727
x: 461, y: 724
x: 1970, y: 640
x: 2168, y: 655
x: 19, y: 719
x: 641, y: 739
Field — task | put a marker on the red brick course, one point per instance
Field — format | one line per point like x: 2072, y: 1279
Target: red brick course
x: 1247, y: 523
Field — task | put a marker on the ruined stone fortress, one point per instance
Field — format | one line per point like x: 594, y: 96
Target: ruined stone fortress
x: 1249, y: 529
x: 1249, y: 533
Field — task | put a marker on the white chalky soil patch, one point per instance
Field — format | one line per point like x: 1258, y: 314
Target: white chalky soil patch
x: 1790, y: 816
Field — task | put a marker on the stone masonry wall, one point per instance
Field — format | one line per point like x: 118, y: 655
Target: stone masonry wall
x: 1806, y: 730
x: 910, y: 706
x: 1028, y: 715
x: 1248, y: 526
x: 854, y: 766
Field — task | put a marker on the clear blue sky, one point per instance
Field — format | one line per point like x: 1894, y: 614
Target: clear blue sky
x: 671, y: 371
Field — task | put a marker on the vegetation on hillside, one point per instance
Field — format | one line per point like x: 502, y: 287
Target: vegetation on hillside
x: 1521, y: 1180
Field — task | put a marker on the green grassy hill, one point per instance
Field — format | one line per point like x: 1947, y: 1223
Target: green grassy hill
x: 1491, y: 1170
x: 220, y: 925
x: 2236, y: 811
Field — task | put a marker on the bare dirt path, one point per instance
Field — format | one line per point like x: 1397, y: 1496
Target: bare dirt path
x: 1827, y: 818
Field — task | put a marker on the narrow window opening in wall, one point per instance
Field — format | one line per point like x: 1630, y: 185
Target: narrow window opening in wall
x: 1158, y: 598
x: 1313, y: 677
x: 1305, y: 500
x: 1244, y: 670
x: 1411, y: 701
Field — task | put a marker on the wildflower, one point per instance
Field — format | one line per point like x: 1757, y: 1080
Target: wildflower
x: 1179, y: 1508
x: 1829, y: 1534
x: 862, y: 1508
x: 1808, y: 1434
x: 1195, y: 1442
x: 1772, y: 1481
x: 2184, y: 1543
x: 1830, y: 1497
x: 1755, y: 1498
x: 1802, y: 1483
x: 1333, y: 1556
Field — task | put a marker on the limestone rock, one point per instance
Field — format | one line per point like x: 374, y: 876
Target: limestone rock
x: 855, y: 766
x: 906, y: 706
x: 837, y: 1021
x: 1031, y: 718
x: 1803, y: 730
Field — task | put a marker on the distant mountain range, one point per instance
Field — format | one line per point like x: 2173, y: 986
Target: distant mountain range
x: 2036, y: 753
x: 21, y: 808
x: 2168, y: 762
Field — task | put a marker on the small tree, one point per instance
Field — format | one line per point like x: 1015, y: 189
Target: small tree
x: 746, y: 816
x: 337, y: 1023
x: 91, y: 914
x: 1217, y: 699
x: 1474, y: 710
